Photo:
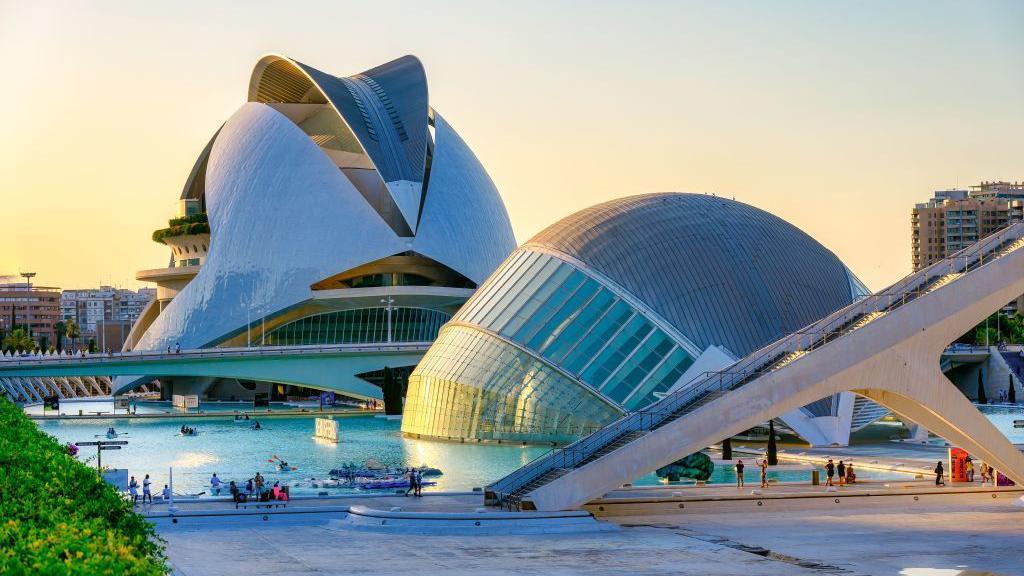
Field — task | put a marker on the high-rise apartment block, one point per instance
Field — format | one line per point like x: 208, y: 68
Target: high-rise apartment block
x: 954, y: 219
x: 35, y: 309
x: 104, y: 304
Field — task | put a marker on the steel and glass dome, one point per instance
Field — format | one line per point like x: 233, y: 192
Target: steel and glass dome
x: 609, y: 308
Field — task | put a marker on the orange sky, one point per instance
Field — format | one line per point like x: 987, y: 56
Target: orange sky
x: 837, y: 117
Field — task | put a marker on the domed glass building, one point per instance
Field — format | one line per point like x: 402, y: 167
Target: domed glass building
x: 613, y: 306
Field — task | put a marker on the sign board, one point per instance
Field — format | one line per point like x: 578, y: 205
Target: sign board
x: 327, y: 429
x: 326, y: 399
x: 260, y: 400
x: 102, y: 447
x: 185, y: 401
x: 957, y: 465
x: 104, y: 443
x: 117, y: 477
x: 121, y: 403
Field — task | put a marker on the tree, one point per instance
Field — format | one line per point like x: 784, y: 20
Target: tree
x: 773, y: 450
x: 58, y: 329
x: 19, y: 341
x: 92, y: 346
x: 982, y: 399
x: 72, y: 331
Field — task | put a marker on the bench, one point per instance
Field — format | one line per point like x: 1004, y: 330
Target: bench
x: 256, y: 504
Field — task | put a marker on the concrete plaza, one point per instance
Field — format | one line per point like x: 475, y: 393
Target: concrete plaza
x: 939, y: 533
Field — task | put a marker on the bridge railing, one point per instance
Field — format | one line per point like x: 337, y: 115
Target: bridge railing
x: 11, y: 362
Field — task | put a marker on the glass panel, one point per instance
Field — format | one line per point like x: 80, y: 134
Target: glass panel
x: 662, y: 379
x: 360, y: 326
x: 639, y: 365
x: 621, y: 345
x: 564, y: 338
x: 598, y: 337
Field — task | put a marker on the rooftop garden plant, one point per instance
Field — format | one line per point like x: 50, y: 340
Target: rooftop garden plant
x: 183, y: 226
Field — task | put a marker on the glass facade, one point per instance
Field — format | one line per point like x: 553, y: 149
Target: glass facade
x: 569, y: 319
x: 478, y: 386
x: 360, y: 326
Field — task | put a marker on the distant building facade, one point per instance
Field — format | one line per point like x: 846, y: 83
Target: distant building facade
x: 35, y: 309
x: 954, y: 219
x: 90, y: 306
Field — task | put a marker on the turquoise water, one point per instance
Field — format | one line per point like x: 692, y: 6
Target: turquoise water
x: 235, y: 452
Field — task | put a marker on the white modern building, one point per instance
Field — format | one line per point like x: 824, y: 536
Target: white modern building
x: 611, y: 308
x: 327, y: 210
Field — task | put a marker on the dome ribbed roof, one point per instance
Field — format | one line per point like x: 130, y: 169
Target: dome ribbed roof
x: 722, y: 272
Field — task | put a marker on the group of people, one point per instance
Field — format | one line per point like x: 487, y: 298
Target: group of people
x: 147, y: 494
x: 845, y: 473
x: 254, y: 487
x: 762, y: 464
x: 415, y: 482
x: 187, y: 430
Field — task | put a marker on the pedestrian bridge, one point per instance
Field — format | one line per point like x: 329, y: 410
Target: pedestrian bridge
x: 331, y: 368
x: 885, y: 347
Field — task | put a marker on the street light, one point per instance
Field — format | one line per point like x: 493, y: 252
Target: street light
x: 388, y: 306
x: 28, y: 302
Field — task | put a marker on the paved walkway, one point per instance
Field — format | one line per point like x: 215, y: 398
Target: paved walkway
x: 975, y: 537
x: 257, y: 548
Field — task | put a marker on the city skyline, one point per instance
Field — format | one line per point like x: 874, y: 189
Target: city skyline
x: 836, y: 119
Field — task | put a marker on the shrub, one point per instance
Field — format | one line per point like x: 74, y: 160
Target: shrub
x: 194, y: 224
x: 58, y: 517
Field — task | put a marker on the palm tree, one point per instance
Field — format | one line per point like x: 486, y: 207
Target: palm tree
x: 19, y: 340
x: 72, y: 331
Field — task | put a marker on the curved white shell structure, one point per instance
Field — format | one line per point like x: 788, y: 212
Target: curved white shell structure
x: 318, y: 176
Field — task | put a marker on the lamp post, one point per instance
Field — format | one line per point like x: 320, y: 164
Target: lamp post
x: 28, y: 302
x: 388, y: 306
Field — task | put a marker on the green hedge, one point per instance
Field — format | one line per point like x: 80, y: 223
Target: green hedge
x: 194, y: 224
x: 58, y: 517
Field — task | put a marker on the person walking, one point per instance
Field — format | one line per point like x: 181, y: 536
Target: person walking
x: 969, y: 469
x: 841, y: 470
x: 412, y: 482
x: 830, y: 471
x: 938, y: 474
x: 146, y: 494
x: 133, y: 490
x: 215, y: 485
x: 764, y: 472
x: 419, y: 482
x: 739, y: 473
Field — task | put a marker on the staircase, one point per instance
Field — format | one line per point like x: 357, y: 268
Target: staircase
x: 514, y: 490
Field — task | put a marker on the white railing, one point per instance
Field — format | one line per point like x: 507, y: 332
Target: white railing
x: 260, y: 351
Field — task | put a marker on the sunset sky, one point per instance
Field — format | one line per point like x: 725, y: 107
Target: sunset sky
x: 835, y: 116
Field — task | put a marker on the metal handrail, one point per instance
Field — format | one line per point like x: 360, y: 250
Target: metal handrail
x: 117, y: 357
x: 896, y: 295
